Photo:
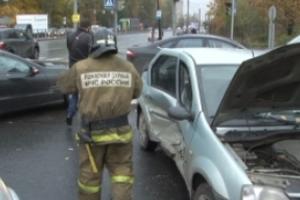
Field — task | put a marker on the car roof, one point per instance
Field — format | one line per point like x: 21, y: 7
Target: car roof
x: 209, y: 36
x: 214, y: 56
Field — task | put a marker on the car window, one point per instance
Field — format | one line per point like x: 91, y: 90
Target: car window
x: 22, y: 34
x: 10, y: 65
x: 190, y: 43
x: 163, y: 74
x: 167, y: 44
x: 185, y: 87
x: 12, y: 34
x: 215, y: 43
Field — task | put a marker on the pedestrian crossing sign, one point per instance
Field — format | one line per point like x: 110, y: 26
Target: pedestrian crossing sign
x: 109, y: 4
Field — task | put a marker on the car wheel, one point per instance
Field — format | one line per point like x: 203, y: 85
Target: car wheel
x: 145, y: 142
x: 36, y: 53
x: 203, y: 192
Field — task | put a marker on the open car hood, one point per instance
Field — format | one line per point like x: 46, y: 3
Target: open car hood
x: 270, y: 81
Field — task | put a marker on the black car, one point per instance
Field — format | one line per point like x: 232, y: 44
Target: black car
x: 20, y: 42
x: 25, y: 84
x: 141, y: 56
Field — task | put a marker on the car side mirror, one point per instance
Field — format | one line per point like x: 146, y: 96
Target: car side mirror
x: 34, y: 71
x: 179, y: 113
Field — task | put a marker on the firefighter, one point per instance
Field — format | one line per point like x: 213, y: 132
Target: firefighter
x: 106, y: 84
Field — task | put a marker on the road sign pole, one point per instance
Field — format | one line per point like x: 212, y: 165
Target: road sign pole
x: 271, y: 36
x: 75, y: 11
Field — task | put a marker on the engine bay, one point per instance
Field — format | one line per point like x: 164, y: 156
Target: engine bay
x: 280, y: 158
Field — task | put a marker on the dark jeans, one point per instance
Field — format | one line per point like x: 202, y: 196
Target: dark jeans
x: 72, y: 105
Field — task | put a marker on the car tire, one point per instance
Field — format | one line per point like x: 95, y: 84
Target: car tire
x: 203, y: 192
x: 144, y: 140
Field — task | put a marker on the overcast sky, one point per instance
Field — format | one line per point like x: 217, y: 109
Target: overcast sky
x: 196, y: 4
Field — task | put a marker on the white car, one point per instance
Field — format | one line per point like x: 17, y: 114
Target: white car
x: 7, y: 193
x: 294, y: 40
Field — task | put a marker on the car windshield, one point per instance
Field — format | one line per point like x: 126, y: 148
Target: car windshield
x: 214, y: 82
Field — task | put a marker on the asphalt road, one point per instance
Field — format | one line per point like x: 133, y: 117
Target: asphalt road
x: 38, y: 155
x: 57, y: 50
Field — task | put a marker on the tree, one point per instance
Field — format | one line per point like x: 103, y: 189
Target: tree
x: 251, y: 25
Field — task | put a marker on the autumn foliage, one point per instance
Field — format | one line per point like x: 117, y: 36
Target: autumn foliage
x: 251, y: 20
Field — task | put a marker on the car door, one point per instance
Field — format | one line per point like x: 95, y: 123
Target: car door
x: 160, y: 96
x: 6, y: 90
x: 27, y: 84
x: 186, y: 100
x: 25, y: 44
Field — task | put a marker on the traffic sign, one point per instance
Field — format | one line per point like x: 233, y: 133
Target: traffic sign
x: 75, y: 18
x: 109, y: 4
x: 272, y: 13
x: 158, y: 14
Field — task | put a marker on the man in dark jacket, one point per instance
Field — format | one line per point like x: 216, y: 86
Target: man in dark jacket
x: 79, y: 44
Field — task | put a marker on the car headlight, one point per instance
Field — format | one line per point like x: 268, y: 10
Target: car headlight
x: 255, y: 192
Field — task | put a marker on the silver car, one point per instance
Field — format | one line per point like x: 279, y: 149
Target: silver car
x: 7, y: 193
x: 232, y: 131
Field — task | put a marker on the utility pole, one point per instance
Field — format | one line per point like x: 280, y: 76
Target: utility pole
x: 188, y: 14
x: 174, y: 17
x: 158, y: 15
x: 199, y: 20
x: 116, y: 18
x: 232, y: 18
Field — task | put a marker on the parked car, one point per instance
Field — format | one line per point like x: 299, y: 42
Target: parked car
x: 25, y: 84
x: 19, y: 42
x: 232, y: 131
x: 294, y: 40
x: 7, y: 193
x: 141, y: 56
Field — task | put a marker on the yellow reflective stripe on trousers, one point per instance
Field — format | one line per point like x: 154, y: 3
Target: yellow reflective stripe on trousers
x: 122, y: 179
x: 88, y: 188
x: 112, y: 137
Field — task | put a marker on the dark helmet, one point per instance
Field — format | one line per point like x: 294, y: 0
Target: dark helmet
x: 105, y: 42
